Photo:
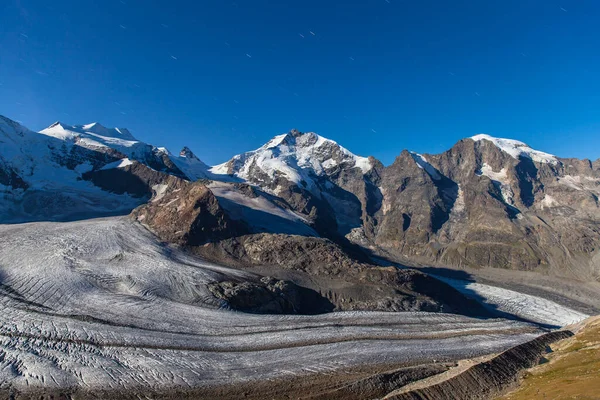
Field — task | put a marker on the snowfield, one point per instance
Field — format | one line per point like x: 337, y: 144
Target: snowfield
x: 100, y: 304
x: 500, y: 180
x: 259, y: 212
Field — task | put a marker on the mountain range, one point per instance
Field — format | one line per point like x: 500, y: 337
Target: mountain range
x: 486, y: 202
x: 297, y: 269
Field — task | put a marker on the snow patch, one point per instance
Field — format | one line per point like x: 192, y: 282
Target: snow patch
x: 574, y: 182
x: 500, y: 180
x: 159, y: 191
x: 580, y: 183
x: 459, y: 203
x: 84, y: 167
x: 386, y: 206
x: 424, y: 165
x: 221, y: 169
x: 122, y: 163
x: 549, y: 201
x: 262, y: 214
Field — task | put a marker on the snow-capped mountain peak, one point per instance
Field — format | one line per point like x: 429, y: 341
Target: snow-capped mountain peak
x: 95, y: 127
x: 517, y: 149
x: 96, y: 137
x: 296, y: 156
x: 64, y: 131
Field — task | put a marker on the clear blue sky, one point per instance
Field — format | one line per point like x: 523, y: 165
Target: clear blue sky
x: 225, y: 76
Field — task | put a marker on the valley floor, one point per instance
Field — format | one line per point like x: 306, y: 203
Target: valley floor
x: 101, y: 306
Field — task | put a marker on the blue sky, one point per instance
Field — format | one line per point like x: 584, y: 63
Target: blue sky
x: 225, y: 76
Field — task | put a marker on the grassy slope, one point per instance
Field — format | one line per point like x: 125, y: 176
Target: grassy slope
x: 572, y: 370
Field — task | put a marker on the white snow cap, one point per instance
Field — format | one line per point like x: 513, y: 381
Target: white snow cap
x: 62, y: 131
x: 518, y: 149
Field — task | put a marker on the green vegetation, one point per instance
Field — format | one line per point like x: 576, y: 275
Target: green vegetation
x: 572, y: 370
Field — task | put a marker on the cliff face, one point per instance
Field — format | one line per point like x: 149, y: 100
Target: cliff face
x: 484, y: 380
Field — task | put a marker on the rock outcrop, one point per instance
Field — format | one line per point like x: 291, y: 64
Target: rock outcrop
x: 188, y: 215
x: 323, y: 266
x: 270, y: 296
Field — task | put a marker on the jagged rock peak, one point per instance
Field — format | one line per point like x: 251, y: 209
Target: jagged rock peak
x: 187, y: 153
x: 295, y: 133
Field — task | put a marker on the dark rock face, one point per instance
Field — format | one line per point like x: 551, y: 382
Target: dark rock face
x: 160, y: 161
x: 490, y: 378
x: 136, y: 179
x: 188, y: 214
x: 71, y: 156
x: 188, y: 153
x: 8, y: 177
x: 270, y: 296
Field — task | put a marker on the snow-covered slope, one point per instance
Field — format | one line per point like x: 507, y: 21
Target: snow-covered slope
x: 121, y: 143
x: 518, y: 149
x: 531, y: 308
x: 45, y: 177
x: 297, y: 157
x: 95, y: 132
x: 260, y: 212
